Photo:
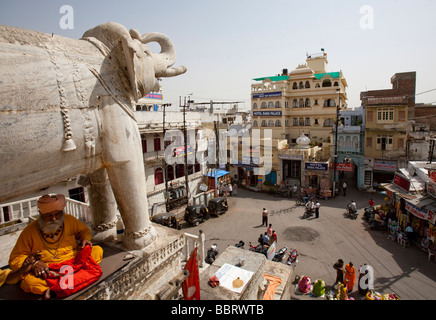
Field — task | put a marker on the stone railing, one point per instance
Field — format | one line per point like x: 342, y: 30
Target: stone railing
x: 23, y: 209
x: 190, y: 242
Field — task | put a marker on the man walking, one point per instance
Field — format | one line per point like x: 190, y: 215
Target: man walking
x: 344, y: 188
x: 317, y: 205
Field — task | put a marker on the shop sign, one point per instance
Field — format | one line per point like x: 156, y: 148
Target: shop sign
x: 348, y: 167
x: 432, y: 217
x: 431, y: 189
x: 417, y: 211
x: 267, y: 94
x: 317, y: 166
x: 402, y: 182
x: 267, y: 113
x: 385, y: 165
x: 291, y: 156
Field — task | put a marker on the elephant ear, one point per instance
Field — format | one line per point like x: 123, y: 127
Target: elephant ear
x: 129, y: 52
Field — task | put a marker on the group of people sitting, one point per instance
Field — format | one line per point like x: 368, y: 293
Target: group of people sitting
x: 52, y: 239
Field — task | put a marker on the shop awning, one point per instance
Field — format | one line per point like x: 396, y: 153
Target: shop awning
x: 397, y: 190
x: 219, y: 173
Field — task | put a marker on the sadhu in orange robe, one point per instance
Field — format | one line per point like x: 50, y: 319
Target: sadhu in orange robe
x: 30, y: 240
x: 350, y: 277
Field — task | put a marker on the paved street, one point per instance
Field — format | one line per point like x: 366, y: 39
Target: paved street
x: 321, y: 242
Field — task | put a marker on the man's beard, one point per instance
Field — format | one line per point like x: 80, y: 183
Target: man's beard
x: 50, y: 226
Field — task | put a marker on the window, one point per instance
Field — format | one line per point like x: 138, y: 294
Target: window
x: 157, y: 144
x: 144, y: 143
x: 301, y: 121
x: 295, y: 103
x: 158, y: 176
x: 286, y: 123
x: 170, y: 173
x: 384, y: 143
x: 307, y: 85
x: 329, y: 103
x: 180, y: 170
x: 301, y: 103
x: 316, y: 102
x: 277, y: 104
x: 369, y: 116
x: 307, y: 121
x: 263, y: 106
x: 295, y: 121
x: 255, y: 105
x: 271, y: 123
x: 369, y: 142
x: 402, y: 115
x: 278, y: 123
x: 294, y: 86
x: 385, y: 115
x: 263, y: 124
x: 270, y: 104
x: 401, y: 143
x: 336, y: 84
x: 255, y: 123
x: 307, y: 103
x: 329, y: 122
x: 326, y: 83
x: 316, y: 121
x: 286, y: 104
x: 300, y: 85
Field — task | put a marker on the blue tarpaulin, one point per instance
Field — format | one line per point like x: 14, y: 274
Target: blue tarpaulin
x: 219, y: 173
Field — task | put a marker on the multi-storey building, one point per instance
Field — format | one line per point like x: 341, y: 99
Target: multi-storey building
x: 303, y: 101
x: 386, y: 113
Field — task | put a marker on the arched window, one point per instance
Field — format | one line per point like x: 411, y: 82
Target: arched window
x: 348, y: 142
x: 341, y: 142
x: 263, y: 124
x: 271, y: 123
x: 277, y: 104
x: 328, y: 122
x: 307, y: 85
x: 329, y: 103
x: 197, y: 167
x: 326, y: 83
x: 263, y: 106
x: 307, y: 121
x: 255, y: 123
x: 278, y: 123
x: 158, y: 176
x: 301, y: 103
x: 294, y: 86
x: 307, y: 103
x: 336, y: 84
x: 295, y: 103
x: 355, y: 143
x: 270, y: 104
x: 255, y: 105
x: 300, y: 85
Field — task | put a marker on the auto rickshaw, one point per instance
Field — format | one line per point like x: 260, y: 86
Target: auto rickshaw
x: 196, y: 214
x: 218, y: 206
x: 167, y: 219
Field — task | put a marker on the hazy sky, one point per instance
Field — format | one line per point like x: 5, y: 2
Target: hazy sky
x: 225, y: 44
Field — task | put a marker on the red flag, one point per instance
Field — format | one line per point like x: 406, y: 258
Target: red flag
x: 191, y: 286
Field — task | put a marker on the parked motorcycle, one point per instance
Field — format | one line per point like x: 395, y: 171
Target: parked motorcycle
x: 280, y: 254
x: 352, y: 213
x: 368, y: 213
x: 293, y: 258
x: 300, y: 202
x: 240, y: 244
x: 259, y: 248
x: 211, y: 254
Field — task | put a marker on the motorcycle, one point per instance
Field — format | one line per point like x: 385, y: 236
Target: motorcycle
x: 293, y: 258
x: 308, y: 213
x: 352, y: 213
x: 259, y: 248
x: 368, y: 213
x: 300, y: 202
x: 211, y: 254
x: 280, y: 254
x: 240, y: 244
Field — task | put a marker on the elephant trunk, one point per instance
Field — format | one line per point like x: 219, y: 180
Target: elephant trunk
x: 167, y: 56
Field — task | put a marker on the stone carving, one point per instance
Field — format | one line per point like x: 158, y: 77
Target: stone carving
x: 66, y: 110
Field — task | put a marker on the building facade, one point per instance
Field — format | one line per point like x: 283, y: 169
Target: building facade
x: 303, y: 101
x: 386, y: 114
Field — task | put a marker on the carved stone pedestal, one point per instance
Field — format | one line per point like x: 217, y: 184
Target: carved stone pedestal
x: 150, y: 270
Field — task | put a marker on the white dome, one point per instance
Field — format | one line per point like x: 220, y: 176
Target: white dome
x: 303, y: 140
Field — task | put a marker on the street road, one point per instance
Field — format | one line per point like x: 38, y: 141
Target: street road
x: 321, y: 242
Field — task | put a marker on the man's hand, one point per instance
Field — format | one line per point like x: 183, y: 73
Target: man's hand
x: 40, y: 270
x: 30, y: 260
x: 85, y: 242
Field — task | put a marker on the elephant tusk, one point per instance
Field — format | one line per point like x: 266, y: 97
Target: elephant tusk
x: 172, y: 72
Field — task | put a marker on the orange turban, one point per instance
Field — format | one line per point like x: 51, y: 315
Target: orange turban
x: 52, y: 203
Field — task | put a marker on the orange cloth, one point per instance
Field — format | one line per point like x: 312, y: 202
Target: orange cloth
x: 31, y: 241
x: 52, y: 203
x: 350, y: 277
x: 274, y: 282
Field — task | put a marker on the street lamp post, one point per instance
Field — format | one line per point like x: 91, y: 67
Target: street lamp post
x: 336, y: 143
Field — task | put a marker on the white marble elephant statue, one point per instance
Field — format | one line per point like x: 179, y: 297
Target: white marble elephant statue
x: 66, y: 110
